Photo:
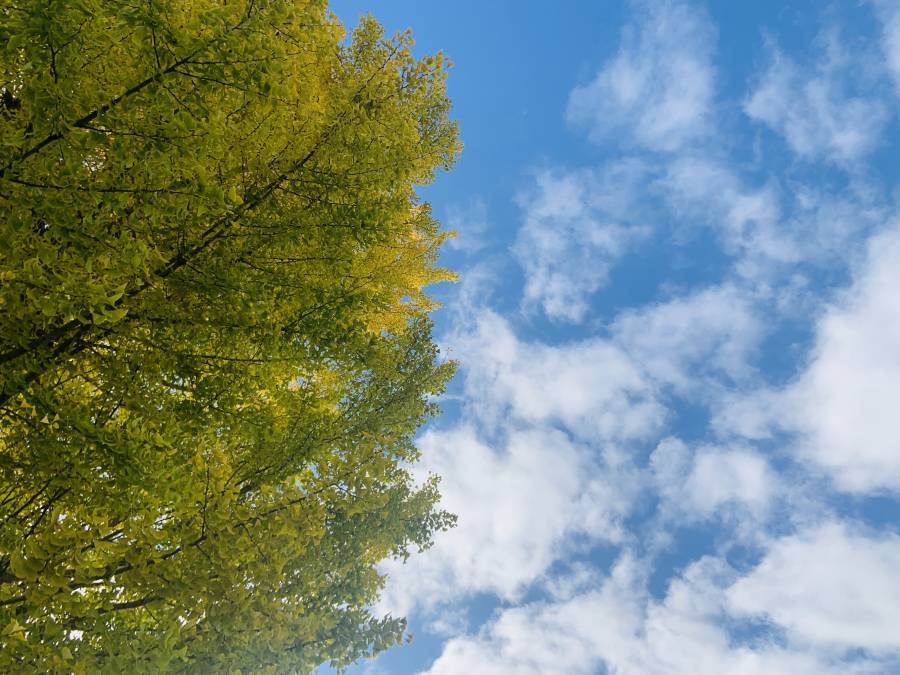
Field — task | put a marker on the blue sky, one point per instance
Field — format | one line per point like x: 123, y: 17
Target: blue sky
x: 673, y: 443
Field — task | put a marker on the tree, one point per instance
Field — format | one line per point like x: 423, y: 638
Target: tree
x: 214, y: 341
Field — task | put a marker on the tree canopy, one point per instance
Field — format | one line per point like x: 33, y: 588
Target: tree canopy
x: 214, y: 340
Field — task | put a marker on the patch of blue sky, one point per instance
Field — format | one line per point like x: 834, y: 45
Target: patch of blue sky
x: 687, y: 545
x: 672, y: 442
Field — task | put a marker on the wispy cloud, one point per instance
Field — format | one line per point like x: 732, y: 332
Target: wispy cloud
x: 774, y: 228
x: 747, y: 217
x: 658, y: 89
x: 889, y: 12
x: 816, y: 108
x: 573, y: 233
x: 543, y: 456
x: 469, y: 221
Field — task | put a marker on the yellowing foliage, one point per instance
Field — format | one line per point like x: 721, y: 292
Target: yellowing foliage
x: 214, y: 343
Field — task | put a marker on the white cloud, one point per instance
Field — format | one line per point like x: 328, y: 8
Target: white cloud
x: 813, y: 109
x: 828, y: 586
x: 541, y: 465
x: 537, y: 462
x: 570, y: 239
x: 748, y: 219
x: 617, y: 626
x: 543, y: 456
x: 698, y: 485
x: 470, y: 223
x: 590, y: 387
x: 722, y: 476
x: 755, y: 415
x: 846, y: 401
x: 828, y: 227
x: 518, y: 505
x: 828, y: 589
x: 542, y: 638
x: 449, y: 622
x: 771, y: 230
x: 842, y: 406
x: 685, y: 340
x: 659, y: 87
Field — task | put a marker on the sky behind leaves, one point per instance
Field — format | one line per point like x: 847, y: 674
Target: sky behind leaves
x: 673, y: 440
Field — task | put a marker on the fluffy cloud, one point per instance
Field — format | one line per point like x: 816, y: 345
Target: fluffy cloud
x: 843, y: 404
x: 519, y: 503
x: 571, y: 238
x: 713, y: 331
x: 537, y: 464
x: 755, y: 415
x: 544, y: 451
x: 659, y: 87
x: 617, y: 626
x: 846, y: 401
x: 545, y: 488
x: 814, y: 109
x: 828, y: 226
x: 694, y: 486
x: 591, y: 388
x: 828, y: 586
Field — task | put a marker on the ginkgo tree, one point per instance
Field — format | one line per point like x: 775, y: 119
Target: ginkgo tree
x: 214, y: 340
